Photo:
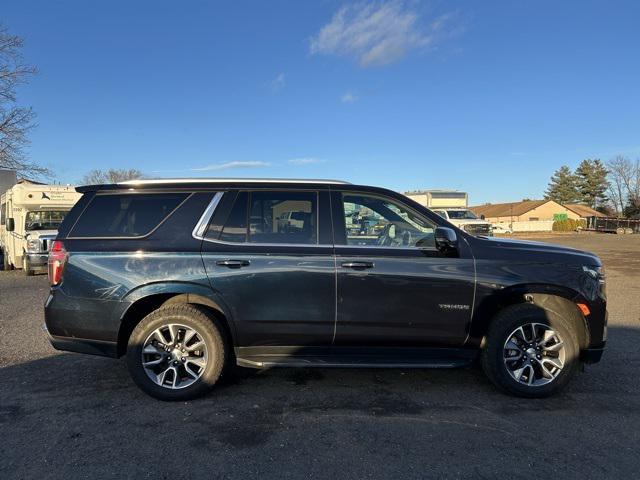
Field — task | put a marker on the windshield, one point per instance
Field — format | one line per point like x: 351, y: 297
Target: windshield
x: 461, y: 215
x: 44, y: 220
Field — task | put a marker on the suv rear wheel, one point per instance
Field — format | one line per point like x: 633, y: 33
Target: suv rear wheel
x: 530, y: 352
x: 176, y: 353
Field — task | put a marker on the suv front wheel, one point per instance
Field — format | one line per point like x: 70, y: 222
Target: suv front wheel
x: 176, y: 353
x: 530, y: 352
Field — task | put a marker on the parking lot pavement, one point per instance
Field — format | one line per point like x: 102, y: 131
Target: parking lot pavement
x: 75, y: 416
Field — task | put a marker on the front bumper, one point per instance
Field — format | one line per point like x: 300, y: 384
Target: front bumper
x: 478, y: 229
x: 37, y: 260
x: 592, y: 354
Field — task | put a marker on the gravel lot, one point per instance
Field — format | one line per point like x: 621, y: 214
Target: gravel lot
x: 76, y: 416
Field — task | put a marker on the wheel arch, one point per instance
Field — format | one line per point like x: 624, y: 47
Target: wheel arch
x: 558, y: 300
x: 150, y: 298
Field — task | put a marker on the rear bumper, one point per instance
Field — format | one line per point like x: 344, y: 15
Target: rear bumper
x: 82, y: 325
x: 592, y: 354
x: 82, y: 345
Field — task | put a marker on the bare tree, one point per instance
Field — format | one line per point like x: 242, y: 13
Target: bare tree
x: 113, y: 175
x: 624, y: 187
x: 15, y: 121
x: 633, y: 185
x: 617, y: 171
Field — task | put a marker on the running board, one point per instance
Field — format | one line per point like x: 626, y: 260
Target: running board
x: 428, y: 358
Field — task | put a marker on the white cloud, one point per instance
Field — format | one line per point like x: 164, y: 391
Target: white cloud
x: 278, y: 83
x: 348, y: 97
x: 305, y: 161
x: 229, y: 165
x: 377, y: 34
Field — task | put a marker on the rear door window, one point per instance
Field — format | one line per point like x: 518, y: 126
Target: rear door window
x: 127, y: 215
x: 283, y: 217
x: 272, y: 217
x: 235, y: 229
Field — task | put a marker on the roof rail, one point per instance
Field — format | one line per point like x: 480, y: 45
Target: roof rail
x: 161, y: 181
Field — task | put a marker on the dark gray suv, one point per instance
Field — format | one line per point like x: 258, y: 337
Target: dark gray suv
x: 188, y: 277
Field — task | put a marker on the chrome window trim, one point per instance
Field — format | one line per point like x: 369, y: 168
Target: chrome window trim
x: 321, y: 245
x: 202, y: 224
x: 247, y: 244
x: 379, y: 247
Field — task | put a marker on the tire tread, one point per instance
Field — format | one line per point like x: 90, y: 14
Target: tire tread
x: 204, y: 323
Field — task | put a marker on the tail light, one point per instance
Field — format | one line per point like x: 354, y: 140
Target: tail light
x: 57, y: 260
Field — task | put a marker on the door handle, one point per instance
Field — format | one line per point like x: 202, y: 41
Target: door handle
x: 233, y: 263
x: 358, y: 265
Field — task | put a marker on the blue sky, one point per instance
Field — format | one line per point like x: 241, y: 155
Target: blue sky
x: 486, y: 97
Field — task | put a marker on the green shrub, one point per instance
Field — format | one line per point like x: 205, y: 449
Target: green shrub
x: 568, y: 225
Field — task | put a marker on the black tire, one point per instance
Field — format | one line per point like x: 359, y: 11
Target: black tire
x: 27, y: 267
x: 190, y: 316
x: 6, y: 266
x: 500, y: 329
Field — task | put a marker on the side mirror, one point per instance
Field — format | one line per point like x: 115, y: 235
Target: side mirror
x: 482, y: 217
x: 11, y: 224
x: 446, y: 240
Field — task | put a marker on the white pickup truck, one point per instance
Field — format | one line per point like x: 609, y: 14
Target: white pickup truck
x: 453, y: 206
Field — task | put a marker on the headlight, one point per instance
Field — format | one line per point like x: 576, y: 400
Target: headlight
x: 597, y: 273
x: 33, y: 245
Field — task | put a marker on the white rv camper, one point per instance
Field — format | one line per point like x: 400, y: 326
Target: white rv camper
x: 30, y: 214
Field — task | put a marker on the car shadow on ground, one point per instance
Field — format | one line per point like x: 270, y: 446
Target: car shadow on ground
x: 62, y: 378
x: 68, y: 410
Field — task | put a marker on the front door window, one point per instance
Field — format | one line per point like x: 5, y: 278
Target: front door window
x: 377, y: 221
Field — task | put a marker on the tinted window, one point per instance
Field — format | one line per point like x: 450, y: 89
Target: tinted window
x: 376, y: 221
x: 129, y: 215
x: 3, y: 208
x: 235, y: 229
x: 283, y: 217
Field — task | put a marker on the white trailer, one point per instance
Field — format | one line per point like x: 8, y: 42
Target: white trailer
x: 452, y: 205
x: 30, y: 214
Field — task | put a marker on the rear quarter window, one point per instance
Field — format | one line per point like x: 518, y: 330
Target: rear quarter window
x: 126, y: 215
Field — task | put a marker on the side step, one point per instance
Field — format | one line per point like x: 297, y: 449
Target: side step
x: 394, y: 358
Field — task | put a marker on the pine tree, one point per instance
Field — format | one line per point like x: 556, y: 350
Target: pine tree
x: 591, y: 182
x: 562, y: 187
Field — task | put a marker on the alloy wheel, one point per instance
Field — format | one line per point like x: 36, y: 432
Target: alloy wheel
x: 534, y: 354
x: 174, y: 356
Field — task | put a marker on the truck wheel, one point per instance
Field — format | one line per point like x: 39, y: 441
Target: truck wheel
x: 26, y: 266
x: 176, y: 353
x: 5, y: 261
x: 530, y: 352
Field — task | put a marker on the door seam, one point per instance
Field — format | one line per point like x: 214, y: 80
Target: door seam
x: 335, y: 269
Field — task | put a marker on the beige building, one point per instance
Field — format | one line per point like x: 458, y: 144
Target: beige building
x: 585, y: 211
x: 526, y: 211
